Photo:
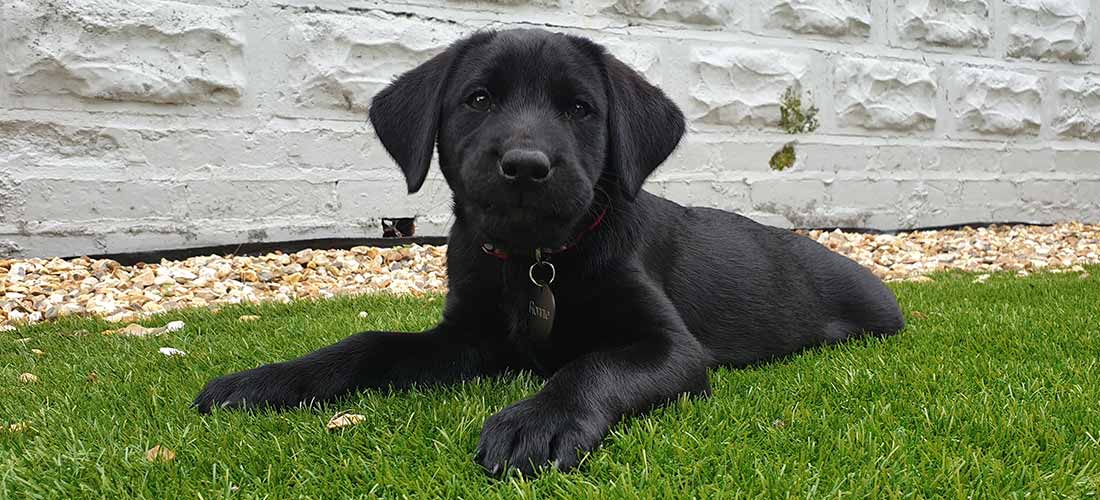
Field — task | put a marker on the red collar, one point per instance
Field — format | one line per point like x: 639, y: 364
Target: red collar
x: 491, y: 249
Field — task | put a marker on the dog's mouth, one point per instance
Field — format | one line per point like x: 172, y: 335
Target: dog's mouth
x: 520, y: 227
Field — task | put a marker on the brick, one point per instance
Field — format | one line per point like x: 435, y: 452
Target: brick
x: 26, y: 245
x: 782, y: 195
x: 77, y: 200
x: 702, y: 12
x: 1046, y: 192
x: 643, y: 58
x: 1078, y: 112
x: 541, y: 3
x: 964, y: 159
x: 124, y: 50
x: 340, y: 62
x: 997, y: 192
x: 769, y: 219
x: 885, y: 95
x: 868, y: 193
x: 890, y: 158
x: 947, y: 23
x: 258, y: 199
x: 1048, y: 29
x: 1036, y: 214
x: 732, y: 196
x: 11, y: 198
x: 968, y: 215
x: 114, y: 152
x: 741, y: 87
x: 996, y: 102
x: 927, y: 202
x: 835, y: 18
x: 1070, y: 161
x: 929, y: 194
x: 1031, y: 160
x: 10, y: 249
x: 1087, y: 192
x: 360, y: 200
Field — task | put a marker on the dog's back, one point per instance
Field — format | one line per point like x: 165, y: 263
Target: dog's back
x: 751, y: 292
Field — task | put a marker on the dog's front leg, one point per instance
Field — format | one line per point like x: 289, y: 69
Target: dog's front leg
x: 578, y: 405
x: 370, y: 360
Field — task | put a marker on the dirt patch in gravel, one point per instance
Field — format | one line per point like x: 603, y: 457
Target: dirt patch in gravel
x: 33, y: 290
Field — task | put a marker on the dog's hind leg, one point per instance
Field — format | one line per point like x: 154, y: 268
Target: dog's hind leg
x: 867, y: 306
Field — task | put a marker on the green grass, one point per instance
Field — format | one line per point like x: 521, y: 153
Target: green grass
x: 991, y: 391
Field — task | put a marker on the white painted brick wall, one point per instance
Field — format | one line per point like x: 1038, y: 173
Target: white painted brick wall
x: 142, y: 124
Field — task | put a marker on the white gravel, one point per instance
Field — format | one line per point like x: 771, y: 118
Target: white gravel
x: 34, y: 290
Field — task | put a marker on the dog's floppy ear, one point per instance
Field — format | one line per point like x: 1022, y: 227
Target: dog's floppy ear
x: 643, y: 123
x: 405, y: 114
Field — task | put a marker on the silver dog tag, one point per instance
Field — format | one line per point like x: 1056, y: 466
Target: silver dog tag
x: 540, y: 306
x: 540, y: 313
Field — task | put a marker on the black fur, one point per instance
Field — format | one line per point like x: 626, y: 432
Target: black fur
x: 646, y: 303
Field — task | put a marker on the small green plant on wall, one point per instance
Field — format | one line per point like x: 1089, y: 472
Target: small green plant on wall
x: 793, y: 119
x: 784, y: 158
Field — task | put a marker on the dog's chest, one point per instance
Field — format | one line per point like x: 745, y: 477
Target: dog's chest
x: 577, y: 326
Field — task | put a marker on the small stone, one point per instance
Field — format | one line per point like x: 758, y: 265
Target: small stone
x: 183, y: 275
x: 363, y: 314
x: 38, y: 352
x: 120, y: 317
x: 18, y: 427
x: 344, y: 419
x: 136, y: 330
x: 159, y: 453
x: 171, y: 352
x: 145, y: 278
x: 17, y: 272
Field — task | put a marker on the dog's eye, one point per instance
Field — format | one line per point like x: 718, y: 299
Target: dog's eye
x: 479, y: 101
x: 578, y: 110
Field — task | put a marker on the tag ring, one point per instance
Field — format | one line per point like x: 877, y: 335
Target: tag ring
x: 531, y: 273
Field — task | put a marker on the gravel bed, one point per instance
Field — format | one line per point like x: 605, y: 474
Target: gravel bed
x: 34, y: 290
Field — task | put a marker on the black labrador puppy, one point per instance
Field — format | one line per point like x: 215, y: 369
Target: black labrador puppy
x: 560, y: 264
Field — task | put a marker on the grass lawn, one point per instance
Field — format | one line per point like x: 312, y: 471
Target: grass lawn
x: 991, y: 391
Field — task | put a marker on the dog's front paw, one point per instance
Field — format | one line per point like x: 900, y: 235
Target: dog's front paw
x: 533, y: 434
x: 271, y: 386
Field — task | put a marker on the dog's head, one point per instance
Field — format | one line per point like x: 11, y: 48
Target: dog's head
x: 529, y: 124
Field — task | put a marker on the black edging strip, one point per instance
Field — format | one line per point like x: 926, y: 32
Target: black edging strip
x: 974, y: 225
x: 261, y: 248
x: 153, y: 256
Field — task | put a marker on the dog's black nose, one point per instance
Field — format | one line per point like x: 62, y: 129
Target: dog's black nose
x: 525, y: 165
